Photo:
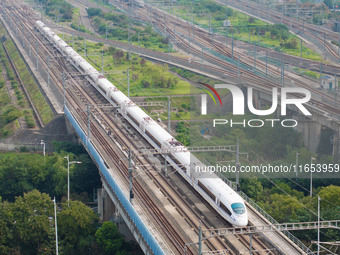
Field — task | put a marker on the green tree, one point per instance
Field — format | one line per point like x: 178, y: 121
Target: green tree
x: 109, y: 238
x: 94, y: 11
x: 85, y: 176
x: 253, y: 188
x: 331, y: 193
x: 76, y: 223
x: 25, y: 224
x: 283, y: 208
x: 20, y: 173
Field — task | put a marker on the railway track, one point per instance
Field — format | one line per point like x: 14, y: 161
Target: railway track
x: 148, y: 203
x: 276, y: 17
x: 230, y: 69
x: 256, y: 81
x: 37, y: 118
x: 79, y: 103
x: 113, y: 155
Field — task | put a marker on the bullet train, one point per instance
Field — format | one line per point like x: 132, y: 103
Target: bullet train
x: 138, y: 3
x: 215, y: 191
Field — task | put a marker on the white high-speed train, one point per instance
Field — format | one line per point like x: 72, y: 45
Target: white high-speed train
x: 215, y: 191
x: 138, y: 3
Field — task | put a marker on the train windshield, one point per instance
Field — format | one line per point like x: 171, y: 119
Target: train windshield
x: 238, y: 208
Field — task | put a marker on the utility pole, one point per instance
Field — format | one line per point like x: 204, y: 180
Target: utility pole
x: 88, y: 109
x: 283, y: 75
x: 202, y: 61
x: 200, y: 238
x: 166, y: 165
x: 147, y: 13
x: 44, y: 147
x: 254, y: 56
x: 129, y: 38
x: 64, y: 92
x: 209, y: 22
x: 164, y: 25
x: 232, y: 45
x: 303, y: 26
x: 301, y: 50
x: 282, y: 66
x: 311, y: 178
x: 266, y: 63
x: 36, y: 50
x: 193, y: 27
x: 102, y: 62
x: 29, y: 45
x: 319, y: 200
x: 297, y: 164
x: 48, y: 70
x: 249, y: 39
x: 174, y: 36
x: 316, y: 32
x: 72, y: 39
x: 237, y: 165
x: 189, y: 49
x: 130, y: 177
x: 320, y: 74
x: 169, y: 115
x: 212, y: 38
x: 55, y: 226
x: 128, y: 82
x: 226, y: 32
x: 85, y: 48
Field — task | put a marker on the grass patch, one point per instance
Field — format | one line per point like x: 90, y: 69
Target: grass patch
x: 146, y: 78
x: 243, y: 27
x: 115, y: 27
x: 32, y: 87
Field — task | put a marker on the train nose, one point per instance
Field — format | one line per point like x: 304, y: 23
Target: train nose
x: 241, y: 222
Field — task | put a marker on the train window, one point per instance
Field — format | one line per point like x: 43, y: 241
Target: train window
x: 225, y: 209
x: 206, y: 190
x: 238, y: 208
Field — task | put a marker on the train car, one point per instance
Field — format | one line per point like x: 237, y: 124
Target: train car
x: 140, y: 3
x: 215, y: 191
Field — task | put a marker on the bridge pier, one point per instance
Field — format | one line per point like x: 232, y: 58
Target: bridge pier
x: 257, y: 99
x: 107, y: 211
x: 106, y: 208
x: 336, y: 147
x: 110, y: 208
x: 310, y: 130
x: 336, y: 141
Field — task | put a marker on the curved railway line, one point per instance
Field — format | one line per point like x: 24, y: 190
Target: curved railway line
x: 79, y: 99
x: 231, y: 69
x: 78, y: 105
x: 309, y: 29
